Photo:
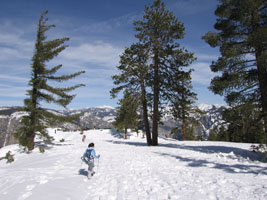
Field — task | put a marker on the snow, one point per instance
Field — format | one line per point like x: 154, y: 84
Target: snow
x: 129, y: 169
x: 109, y: 119
x: 18, y: 115
x: 105, y: 107
x: 4, y: 108
x: 15, y: 115
x: 207, y: 107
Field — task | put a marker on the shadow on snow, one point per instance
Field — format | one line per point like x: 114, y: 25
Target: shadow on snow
x: 115, y: 134
x: 128, y: 143
x: 232, y: 153
x: 203, y: 149
x: 83, y: 172
x: 236, y: 168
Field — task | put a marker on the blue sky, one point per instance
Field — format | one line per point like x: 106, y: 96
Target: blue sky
x: 99, y: 31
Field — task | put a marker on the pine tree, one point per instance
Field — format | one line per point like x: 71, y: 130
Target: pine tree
x: 178, y: 88
x: 182, y: 108
x: 243, y: 124
x: 159, y: 31
x: 127, y: 116
x: 242, y: 39
x: 134, y: 72
x: 41, y: 91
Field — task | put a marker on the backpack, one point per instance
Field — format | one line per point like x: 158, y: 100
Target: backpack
x: 87, y: 156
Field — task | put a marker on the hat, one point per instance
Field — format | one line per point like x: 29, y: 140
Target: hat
x: 91, y: 145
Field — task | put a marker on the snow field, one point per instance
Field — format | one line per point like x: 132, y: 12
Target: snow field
x: 129, y: 169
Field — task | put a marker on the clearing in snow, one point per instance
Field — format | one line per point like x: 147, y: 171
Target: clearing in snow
x: 129, y: 169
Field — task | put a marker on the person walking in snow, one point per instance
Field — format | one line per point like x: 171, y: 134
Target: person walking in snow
x: 84, y: 137
x: 89, y: 156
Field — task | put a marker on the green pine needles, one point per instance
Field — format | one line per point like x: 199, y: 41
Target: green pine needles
x: 153, y: 66
x: 127, y: 116
x: 242, y: 38
x: 40, y: 90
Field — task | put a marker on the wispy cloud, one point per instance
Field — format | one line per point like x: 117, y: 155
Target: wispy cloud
x: 15, y: 37
x: 14, y: 79
x: 14, y: 91
x: 202, y: 74
x: 97, y: 58
x: 105, y: 26
x: 14, y: 47
x: 206, y: 57
x: 96, y: 42
x: 97, y: 53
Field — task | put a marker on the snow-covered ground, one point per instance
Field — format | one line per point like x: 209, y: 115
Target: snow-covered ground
x: 128, y: 169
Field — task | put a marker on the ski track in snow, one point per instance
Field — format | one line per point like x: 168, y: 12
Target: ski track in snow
x: 128, y: 169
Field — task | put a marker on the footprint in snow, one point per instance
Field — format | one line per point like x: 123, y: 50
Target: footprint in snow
x: 43, y: 180
x: 28, y: 192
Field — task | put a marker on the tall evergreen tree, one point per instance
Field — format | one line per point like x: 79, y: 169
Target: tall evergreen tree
x: 182, y: 101
x: 159, y: 31
x: 127, y: 116
x: 134, y: 73
x: 178, y: 88
x: 243, y: 124
x: 242, y: 39
x: 40, y: 90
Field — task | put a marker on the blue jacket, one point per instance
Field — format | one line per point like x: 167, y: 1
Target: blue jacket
x: 92, y: 154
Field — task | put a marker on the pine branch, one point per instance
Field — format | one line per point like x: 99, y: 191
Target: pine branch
x: 64, y: 77
x: 52, y: 70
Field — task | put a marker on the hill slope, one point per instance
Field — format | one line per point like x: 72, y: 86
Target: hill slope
x: 128, y: 169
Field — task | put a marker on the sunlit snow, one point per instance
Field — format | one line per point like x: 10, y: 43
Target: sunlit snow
x: 129, y: 169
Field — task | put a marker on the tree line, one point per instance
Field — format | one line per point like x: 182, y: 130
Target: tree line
x: 154, y: 72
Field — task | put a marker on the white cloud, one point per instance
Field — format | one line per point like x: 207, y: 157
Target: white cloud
x: 14, y: 49
x: 106, y: 26
x: 202, y: 73
x: 13, y: 91
x: 14, y: 79
x: 15, y: 39
x: 206, y: 57
x: 98, y: 53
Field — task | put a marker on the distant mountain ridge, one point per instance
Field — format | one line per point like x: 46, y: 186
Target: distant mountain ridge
x: 101, y: 117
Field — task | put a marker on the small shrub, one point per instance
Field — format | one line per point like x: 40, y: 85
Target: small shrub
x: 261, y: 150
x: 41, y: 149
x: 9, y: 157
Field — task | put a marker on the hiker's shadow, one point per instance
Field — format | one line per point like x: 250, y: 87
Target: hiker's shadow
x: 83, y: 172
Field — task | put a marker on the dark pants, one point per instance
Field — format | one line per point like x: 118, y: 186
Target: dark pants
x: 91, y: 166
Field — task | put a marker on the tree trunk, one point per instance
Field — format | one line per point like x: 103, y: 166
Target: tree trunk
x: 156, y: 101
x: 184, y: 130
x: 125, y: 133
x: 31, y: 142
x: 145, y: 114
x: 33, y: 116
x: 262, y: 74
